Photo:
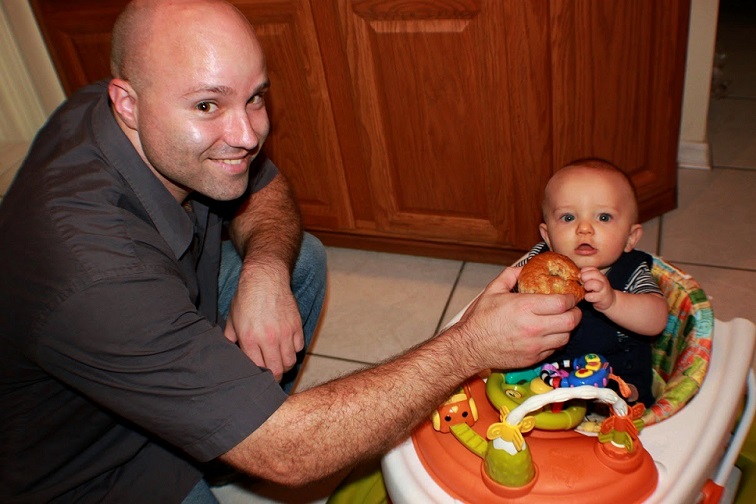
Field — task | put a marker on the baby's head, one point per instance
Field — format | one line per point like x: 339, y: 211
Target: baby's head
x: 590, y: 213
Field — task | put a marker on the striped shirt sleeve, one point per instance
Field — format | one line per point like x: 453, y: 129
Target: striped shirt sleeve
x: 642, y: 281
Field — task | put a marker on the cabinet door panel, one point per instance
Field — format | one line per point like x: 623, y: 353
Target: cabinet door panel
x: 617, y: 89
x: 77, y: 33
x: 303, y: 140
x: 440, y: 106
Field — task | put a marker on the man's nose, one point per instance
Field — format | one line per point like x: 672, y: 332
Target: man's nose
x: 241, y: 132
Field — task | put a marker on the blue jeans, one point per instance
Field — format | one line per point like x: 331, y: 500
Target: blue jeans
x: 200, y: 494
x: 308, y: 283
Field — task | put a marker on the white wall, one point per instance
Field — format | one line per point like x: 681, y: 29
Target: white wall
x: 30, y: 90
x: 693, y: 150
x: 29, y: 87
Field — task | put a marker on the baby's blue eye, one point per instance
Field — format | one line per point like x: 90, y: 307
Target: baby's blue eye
x: 567, y: 217
x: 605, y: 217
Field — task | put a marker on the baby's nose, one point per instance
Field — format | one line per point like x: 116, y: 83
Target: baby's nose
x: 584, y: 227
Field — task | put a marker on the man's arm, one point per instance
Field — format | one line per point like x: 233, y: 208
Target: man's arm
x: 329, y: 427
x: 264, y: 318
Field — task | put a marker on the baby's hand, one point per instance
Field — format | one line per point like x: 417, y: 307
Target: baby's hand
x: 597, y: 288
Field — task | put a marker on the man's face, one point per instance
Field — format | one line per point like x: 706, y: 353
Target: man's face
x: 200, y: 110
x: 590, y: 216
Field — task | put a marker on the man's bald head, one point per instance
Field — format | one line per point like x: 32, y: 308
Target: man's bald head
x: 134, y: 32
x: 188, y: 90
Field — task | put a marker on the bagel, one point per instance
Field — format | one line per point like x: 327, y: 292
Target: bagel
x: 551, y: 273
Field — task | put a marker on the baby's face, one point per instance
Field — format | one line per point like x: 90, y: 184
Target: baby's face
x: 590, y: 216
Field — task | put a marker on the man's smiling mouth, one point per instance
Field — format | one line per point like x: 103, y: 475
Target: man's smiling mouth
x: 232, y: 166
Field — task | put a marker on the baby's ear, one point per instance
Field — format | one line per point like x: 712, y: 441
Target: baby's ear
x: 544, y: 230
x: 636, y: 231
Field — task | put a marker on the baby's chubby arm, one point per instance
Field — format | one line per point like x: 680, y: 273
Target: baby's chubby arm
x: 644, y: 314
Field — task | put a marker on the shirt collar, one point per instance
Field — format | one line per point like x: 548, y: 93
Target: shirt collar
x: 169, y: 218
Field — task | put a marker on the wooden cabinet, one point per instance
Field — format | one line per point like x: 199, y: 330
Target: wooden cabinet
x: 431, y: 127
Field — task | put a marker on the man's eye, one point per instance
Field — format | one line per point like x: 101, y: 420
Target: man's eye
x: 206, y: 107
x: 257, y: 101
x: 605, y: 217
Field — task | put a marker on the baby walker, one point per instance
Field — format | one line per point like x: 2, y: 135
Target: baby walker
x: 515, y: 439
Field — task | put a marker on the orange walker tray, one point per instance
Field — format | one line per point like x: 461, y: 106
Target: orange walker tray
x: 568, y: 465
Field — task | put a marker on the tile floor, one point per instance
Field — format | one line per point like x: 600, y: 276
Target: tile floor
x: 381, y: 304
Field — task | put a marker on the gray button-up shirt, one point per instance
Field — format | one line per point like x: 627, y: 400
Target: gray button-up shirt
x: 114, y: 375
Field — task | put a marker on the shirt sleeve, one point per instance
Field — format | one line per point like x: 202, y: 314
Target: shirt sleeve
x: 135, y: 345
x: 642, y: 281
x: 537, y: 249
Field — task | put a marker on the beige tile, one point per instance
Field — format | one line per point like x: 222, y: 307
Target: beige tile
x: 732, y: 292
x: 732, y: 132
x: 649, y: 241
x: 381, y: 304
x: 474, y: 278
x: 713, y: 223
x: 318, y: 369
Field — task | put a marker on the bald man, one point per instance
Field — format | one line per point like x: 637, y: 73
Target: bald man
x: 192, y: 104
x: 129, y: 357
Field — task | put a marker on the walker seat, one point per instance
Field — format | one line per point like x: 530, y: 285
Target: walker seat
x: 681, y: 355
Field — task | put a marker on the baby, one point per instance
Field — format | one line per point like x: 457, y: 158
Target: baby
x: 590, y: 214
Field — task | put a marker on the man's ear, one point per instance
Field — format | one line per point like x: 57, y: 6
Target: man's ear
x: 124, y: 100
x: 636, y: 231
x: 544, y: 230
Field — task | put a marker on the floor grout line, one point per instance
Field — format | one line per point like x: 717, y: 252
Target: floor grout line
x: 342, y: 359
x: 449, y: 298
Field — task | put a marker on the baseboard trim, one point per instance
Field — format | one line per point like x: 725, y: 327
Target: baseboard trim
x: 694, y: 155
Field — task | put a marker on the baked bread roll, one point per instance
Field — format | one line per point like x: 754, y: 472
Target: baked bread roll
x: 551, y: 273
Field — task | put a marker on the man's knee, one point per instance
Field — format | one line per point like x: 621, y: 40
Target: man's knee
x: 308, y: 282
x: 311, y: 262
x: 311, y: 265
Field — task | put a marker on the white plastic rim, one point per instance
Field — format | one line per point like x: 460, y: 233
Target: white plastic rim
x: 557, y: 395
